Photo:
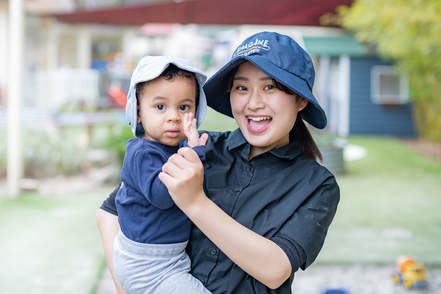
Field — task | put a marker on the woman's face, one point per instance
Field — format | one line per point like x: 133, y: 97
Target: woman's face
x: 264, y: 113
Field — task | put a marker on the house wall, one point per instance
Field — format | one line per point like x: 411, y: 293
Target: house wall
x: 367, y: 118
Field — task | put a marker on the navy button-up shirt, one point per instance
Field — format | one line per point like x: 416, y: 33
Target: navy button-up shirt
x: 277, y: 193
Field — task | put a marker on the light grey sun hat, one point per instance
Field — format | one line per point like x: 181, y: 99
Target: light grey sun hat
x: 151, y: 67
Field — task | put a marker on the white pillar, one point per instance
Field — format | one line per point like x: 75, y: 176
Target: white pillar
x: 84, y: 47
x: 127, y: 36
x: 344, y: 88
x: 52, y: 59
x: 3, y: 51
x: 321, y: 86
x: 16, y: 56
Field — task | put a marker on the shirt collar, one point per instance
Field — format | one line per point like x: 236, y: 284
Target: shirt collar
x: 236, y: 139
x: 289, y: 151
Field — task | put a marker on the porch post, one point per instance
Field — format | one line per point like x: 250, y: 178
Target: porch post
x: 84, y: 47
x: 344, y: 95
x: 14, y: 151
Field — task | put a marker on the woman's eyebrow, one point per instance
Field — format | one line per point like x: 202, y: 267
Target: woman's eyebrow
x: 241, y: 78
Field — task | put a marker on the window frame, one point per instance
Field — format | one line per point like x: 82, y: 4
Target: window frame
x: 389, y: 99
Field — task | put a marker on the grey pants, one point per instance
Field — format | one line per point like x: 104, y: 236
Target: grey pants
x: 154, y: 268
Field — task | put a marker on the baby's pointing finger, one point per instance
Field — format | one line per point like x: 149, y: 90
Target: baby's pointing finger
x: 203, y: 139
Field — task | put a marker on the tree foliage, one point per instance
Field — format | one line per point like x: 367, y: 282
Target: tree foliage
x: 408, y: 32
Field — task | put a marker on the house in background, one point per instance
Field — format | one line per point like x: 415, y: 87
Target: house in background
x: 361, y: 93
x: 76, y: 55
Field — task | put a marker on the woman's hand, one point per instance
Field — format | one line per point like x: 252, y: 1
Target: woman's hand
x: 183, y: 175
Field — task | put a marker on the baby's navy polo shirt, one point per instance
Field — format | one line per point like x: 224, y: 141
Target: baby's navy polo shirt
x: 280, y: 193
x: 146, y: 211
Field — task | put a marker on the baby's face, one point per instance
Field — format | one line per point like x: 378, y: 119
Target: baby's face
x: 162, y: 107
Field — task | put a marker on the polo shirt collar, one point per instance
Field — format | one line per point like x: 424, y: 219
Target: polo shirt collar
x: 289, y: 151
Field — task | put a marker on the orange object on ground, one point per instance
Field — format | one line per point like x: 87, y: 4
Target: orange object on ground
x: 403, y: 262
x: 410, y: 274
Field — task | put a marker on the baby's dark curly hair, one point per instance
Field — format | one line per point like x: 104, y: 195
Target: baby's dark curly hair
x: 169, y: 74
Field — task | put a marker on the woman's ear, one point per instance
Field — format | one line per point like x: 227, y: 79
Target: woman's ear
x: 302, y: 103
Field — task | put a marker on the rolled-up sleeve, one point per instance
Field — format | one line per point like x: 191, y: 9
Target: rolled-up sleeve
x: 309, y: 224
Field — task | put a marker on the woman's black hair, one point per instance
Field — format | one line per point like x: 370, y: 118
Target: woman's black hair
x: 299, y: 132
x: 169, y: 74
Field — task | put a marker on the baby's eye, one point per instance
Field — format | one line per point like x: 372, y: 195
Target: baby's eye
x: 160, y: 107
x: 184, y: 107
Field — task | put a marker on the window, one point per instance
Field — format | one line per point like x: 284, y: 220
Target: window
x: 388, y: 86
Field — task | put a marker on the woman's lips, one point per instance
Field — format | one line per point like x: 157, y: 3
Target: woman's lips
x: 258, y: 124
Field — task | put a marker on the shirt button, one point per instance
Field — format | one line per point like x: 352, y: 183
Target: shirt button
x: 236, y: 190
x: 213, y: 252
x: 248, y: 167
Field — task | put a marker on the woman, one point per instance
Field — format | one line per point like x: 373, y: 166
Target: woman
x: 261, y: 205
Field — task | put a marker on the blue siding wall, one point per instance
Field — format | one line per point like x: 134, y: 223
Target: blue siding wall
x: 367, y: 118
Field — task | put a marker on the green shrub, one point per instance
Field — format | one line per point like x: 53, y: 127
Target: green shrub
x: 116, y: 142
x: 47, y: 155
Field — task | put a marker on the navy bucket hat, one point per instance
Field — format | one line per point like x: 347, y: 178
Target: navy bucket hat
x: 281, y: 58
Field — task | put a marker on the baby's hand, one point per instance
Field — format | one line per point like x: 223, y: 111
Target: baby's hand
x: 191, y: 132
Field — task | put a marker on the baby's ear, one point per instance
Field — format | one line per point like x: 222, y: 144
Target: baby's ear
x: 138, y: 114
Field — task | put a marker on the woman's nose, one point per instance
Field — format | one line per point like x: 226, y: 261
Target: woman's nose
x: 255, y: 100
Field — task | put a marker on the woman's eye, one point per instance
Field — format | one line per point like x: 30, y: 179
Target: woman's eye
x: 270, y: 87
x: 241, y: 88
x: 160, y: 107
x: 184, y: 107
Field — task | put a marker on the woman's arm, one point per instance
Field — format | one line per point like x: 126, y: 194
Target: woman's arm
x: 108, y: 226
x: 258, y: 256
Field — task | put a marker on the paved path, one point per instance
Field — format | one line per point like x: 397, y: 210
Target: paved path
x: 356, y: 279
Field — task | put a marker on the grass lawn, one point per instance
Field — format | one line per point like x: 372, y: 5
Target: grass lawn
x: 389, y: 206
x: 50, y: 244
x: 390, y: 202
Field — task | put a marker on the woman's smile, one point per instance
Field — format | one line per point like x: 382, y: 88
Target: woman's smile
x: 258, y: 124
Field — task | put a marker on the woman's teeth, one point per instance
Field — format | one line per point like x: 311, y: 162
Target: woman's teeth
x: 258, y: 118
